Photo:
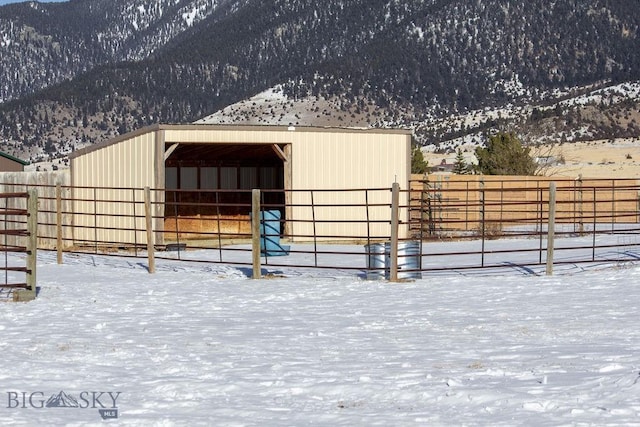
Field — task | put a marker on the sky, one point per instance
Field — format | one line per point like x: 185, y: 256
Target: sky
x: 3, y: 2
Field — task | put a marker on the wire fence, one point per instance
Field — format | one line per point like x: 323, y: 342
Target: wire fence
x: 502, y: 224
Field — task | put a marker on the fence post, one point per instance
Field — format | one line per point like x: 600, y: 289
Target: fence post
x: 95, y: 218
x: 255, y: 233
x: 395, y: 201
x: 315, y: 231
x: 551, y: 227
x: 150, y: 241
x: 595, y: 223
x: 59, y: 222
x: 32, y: 227
x: 466, y: 207
x: 426, y: 194
x: 580, y: 207
x: 482, y: 220
x: 540, y: 222
x: 613, y: 206
x: 135, y: 222
x: 23, y: 295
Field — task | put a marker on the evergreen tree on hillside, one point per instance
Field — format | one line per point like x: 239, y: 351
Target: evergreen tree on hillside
x: 418, y: 164
x: 460, y: 166
x: 504, y: 155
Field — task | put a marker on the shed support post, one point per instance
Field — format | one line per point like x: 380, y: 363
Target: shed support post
x: 288, y: 194
x: 255, y: 234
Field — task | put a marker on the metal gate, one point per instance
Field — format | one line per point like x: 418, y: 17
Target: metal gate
x: 18, y: 234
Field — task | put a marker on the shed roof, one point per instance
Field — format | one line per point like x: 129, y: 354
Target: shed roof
x: 250, y: 128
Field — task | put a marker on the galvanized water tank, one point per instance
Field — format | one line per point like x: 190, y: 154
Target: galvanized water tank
x: 408, y: 260
x: 375, y: 253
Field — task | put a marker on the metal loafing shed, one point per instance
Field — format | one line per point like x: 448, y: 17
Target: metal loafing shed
x: 193, y: 164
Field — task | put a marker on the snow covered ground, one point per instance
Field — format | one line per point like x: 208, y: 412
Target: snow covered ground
x: 202, y: 344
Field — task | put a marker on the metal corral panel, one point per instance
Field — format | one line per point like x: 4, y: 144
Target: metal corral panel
x: 45, y: 183
x: 107, y: 173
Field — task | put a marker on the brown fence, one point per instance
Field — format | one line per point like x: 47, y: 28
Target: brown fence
x: 597, y: 220
x: 446, y: 205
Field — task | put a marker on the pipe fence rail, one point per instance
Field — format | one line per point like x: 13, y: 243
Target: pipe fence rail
x: 594, y: 220
x: 18, y: 215
x: 391, y: 233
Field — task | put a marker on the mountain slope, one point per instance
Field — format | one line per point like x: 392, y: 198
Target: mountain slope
x: 45, y: 43
x: 401, y: 62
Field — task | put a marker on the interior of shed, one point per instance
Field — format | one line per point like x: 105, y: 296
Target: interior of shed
x: 209, y: 186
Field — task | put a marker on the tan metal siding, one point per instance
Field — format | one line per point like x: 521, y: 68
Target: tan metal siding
x: 331, y: 159
x: 320, y: 159
x: 111, y: 173
x: 350, y: 161
x: 256, y: 136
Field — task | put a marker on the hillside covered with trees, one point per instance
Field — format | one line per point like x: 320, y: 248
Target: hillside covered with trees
x: 415, y: 61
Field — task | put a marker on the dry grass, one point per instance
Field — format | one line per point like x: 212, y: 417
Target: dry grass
x: 600, y: 159
x: 594, y: 159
